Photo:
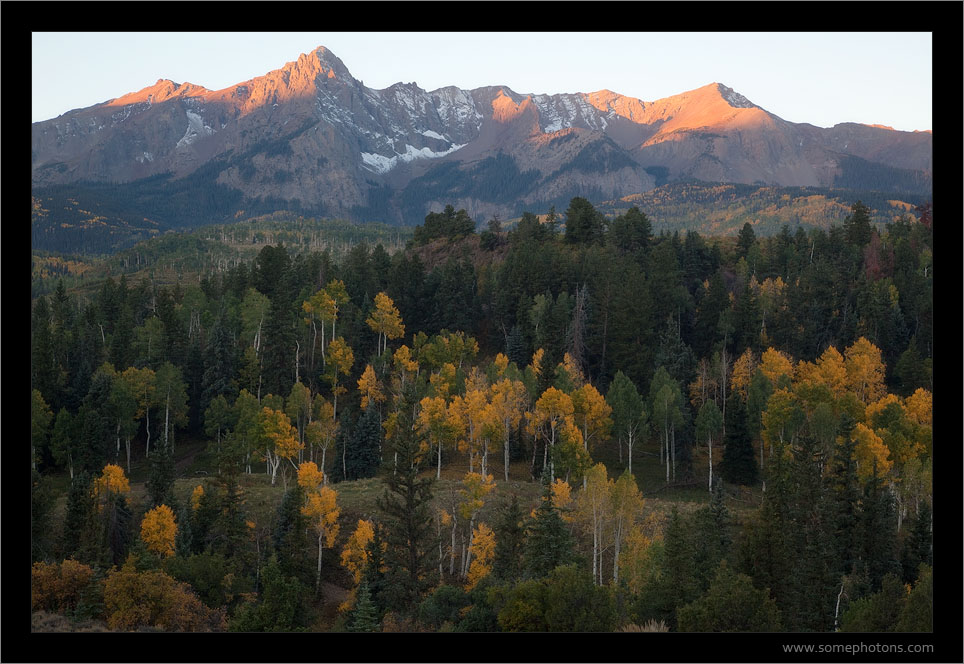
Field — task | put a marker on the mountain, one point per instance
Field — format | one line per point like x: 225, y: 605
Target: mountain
x: 310, y: 137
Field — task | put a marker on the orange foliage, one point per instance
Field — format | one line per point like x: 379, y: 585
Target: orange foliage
x: 158, y: 530
x: 135, y: 599
x: 354, y: 556
x: 196, y: 497
x: 309, y: 476
x: 57, y: 587
x: 111, y: 480
x: 482, y: 551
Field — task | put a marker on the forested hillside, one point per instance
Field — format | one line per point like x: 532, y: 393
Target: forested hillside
x: 593, y: 429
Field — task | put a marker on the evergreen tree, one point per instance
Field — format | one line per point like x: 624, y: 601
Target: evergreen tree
x: 363, y: 454
x: 814, y: 579
x: 857, y: 225
x: 220, y: 365
x: 877, y: 532
x: 918, y: 612
x: 42, y: 500
x: 548, y: 543
x: 844, y: 498
x: 738, y: 465
x: 228, y: 530
x: 184, y: 539
x: 160, y: 484
x: 281, y: 605
x: 732, y: 604
x: 116, y: 529
x: 878, y: 612
x: 509, y: 542
x: 290, y: 537
x: 364, y: 617
x: 584, y: 224
x: 679, y: 564
x: 745, y: 240
x: 411, y: 554
x: 765, y: 551
x: 918, y: 545
x: 77, y: 522
x: 374, y: 575
x: 515, y: 348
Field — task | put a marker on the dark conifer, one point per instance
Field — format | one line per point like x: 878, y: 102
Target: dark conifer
x: 548, y: 543
x: 509, y: 542
x: 739, y: 465
x: 411, y: 555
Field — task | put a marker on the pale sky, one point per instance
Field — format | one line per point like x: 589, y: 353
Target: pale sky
x: 819, y: 78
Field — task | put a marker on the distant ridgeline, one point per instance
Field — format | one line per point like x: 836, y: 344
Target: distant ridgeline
x: 722, y: 209
x: 103, y: 219
x: 171, y: 255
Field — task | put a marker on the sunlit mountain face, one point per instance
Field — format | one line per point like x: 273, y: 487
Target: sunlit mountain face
x: 311, y: 137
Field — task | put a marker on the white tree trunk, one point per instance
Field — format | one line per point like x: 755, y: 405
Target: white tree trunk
x: 709, y: 444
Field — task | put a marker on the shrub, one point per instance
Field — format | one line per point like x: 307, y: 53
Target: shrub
x: 58, y: 587
x: 151, y: 598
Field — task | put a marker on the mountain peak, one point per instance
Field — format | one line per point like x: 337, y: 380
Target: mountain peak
x: 734, y: 98
x: 163, y: 89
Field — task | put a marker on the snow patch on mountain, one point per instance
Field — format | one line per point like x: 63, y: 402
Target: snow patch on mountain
x: 564, y: 111
x: 195, y: 128
x: 381, y: 164
x: 734, y: 98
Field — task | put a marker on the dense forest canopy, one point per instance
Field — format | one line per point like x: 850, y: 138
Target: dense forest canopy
x: 572, y: 425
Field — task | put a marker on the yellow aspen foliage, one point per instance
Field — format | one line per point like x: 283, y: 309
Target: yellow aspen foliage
x: 919, y: 407
x: 196, y: 496
x: 474, y: 489
x: 742, y: 372
x: 638, y: 562
x: 550, y: 411
x: 594, y: 512
x: 561, y: 497
x: 774, y: 364
x: 440, y: 426
x: 310, y: 477
x: 865, y: 371
x: 158, y: 530
x: 282, y: 437
x: 870, y: 449
x: 322, y: 512
x: 369, y: 388
x: 340, y: 355
x: 403, y: 360
x: 111, y: 480
x: 571, y: 369
x: 482, y: 551
x: 592, y: 414
x: 354, y: 556
x: 339, y: 359
x: 501, y: 363
x: 537, y: 361
x: 878, y: 407
x: 831, y: 372
x: 782, y: 418
x: 385, y: 320
x: 443, y: 381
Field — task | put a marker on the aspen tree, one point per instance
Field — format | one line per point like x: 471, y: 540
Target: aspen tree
x: 340, y: 359
x: 322, y: 511
x: 627, y: 505
x: 386, y: 321
x: 159, y: 530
